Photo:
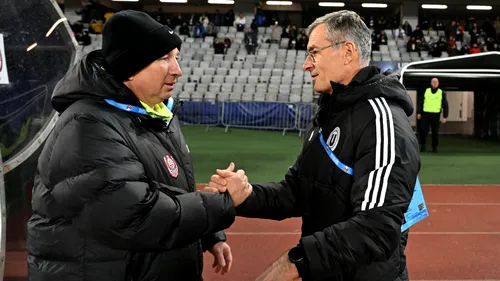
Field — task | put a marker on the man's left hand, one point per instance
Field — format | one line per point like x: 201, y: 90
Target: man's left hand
x: 443, y: 120
x: 281, y: 270
x: 223, y: 258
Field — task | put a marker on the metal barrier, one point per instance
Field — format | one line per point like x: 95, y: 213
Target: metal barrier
x: 283, y: 116
x: 200, y: 113
x: 259, y: 115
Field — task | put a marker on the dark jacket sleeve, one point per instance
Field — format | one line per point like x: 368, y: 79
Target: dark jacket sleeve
x: 385, y: 172
x: 208, y: 241
x: 277, y: 201
x: 116, y: 204
x: 445, y: 106
x: 420, y: 103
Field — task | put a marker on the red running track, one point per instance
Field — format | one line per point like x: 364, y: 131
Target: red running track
x: 460, y: 240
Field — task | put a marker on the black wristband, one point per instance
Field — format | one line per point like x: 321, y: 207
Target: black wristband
x: 296, y: 256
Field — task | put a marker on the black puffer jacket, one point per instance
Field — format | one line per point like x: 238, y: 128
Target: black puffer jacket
x: 352, y: 209
x: 109, y: 204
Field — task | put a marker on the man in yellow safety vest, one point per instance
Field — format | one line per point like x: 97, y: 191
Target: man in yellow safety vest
x: 429, y: 113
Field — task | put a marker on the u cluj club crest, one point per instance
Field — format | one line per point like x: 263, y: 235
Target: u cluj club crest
x: 171, y: 166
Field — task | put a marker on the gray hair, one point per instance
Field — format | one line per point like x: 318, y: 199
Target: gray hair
x: 346, y: 25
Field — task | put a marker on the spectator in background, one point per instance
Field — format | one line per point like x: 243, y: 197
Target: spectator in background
x: 453, y: 51
x: 381, y: 24
x: 451, y: 42
x: 474, y: 34
x: 407, y: 28
x: 399, y: 32
x: 438, y: 25
x: 418, y: 34
x: 489, y: 43
x: 475, y: 49
x: 108, y: 15
x: 177, y: 20
x: 452, y: 29
x: 96, y: 26
x: 375, y: 42
x: 260, y: 18
x: 83, y: 38
x: 184, y: 29
x: 240, y: 22
x: 435, y: 50
x: 302, y: 40
x: 229, y: 17
x: 227, y: 43
x: 198, y: 30
x: 442, y: 44
x: 254, y: 25
x: 371, y: 22
x: 211, y: 29
x: 382, y: 38
x: 289, y: 32
x: 204, y: 19
x: 424, y: 24
x: 431, y: 42
x: 159, y: 16
x: 465, y: 50
x: 250, y: 41
x: 219, y: 47
x: 217, y: 18
x: 192, y: 19
x: 413, y: 45
x: 276, y: 32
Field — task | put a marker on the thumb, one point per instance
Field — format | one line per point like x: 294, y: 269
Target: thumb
x: 230, y: 167
x: 224, y: 173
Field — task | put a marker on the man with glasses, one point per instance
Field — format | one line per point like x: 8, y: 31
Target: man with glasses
x: 354, y: 179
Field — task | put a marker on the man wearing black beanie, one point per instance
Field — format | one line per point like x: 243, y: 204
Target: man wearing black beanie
x: 115, y: 195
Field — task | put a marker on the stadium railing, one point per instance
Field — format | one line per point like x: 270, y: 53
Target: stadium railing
x: 264, y: 115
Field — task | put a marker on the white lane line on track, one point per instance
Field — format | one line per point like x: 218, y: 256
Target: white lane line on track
x: 463, y: 204
x: 411, y: 233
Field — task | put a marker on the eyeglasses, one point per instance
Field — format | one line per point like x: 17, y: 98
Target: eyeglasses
x: 313, y: 52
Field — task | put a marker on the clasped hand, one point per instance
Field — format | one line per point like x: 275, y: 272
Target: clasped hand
x: 236, y: 183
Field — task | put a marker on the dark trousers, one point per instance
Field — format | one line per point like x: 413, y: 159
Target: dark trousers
x: 430, y: 120
x: 250, y: 49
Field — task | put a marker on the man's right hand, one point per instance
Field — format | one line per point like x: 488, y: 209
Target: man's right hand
x: 235, y: 183
x: 419, y: 116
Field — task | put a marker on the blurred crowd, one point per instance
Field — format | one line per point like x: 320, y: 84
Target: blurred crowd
x: 458, y: 37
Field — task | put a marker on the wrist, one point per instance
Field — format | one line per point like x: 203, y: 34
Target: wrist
x: 297, y: 260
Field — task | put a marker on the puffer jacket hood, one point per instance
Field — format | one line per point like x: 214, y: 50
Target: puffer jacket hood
x: 88, y: 79
x: 369, y: 83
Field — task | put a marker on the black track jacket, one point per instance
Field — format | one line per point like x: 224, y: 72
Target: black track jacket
x: 109, y: 204
x: 351, y: 228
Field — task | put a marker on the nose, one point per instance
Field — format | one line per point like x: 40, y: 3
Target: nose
x: 308, y: 65
x: 175, y: 70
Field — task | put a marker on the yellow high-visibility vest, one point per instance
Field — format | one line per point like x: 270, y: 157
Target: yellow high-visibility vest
x: 433, y: 102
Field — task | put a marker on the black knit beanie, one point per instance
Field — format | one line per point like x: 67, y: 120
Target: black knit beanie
x: 131, y: 40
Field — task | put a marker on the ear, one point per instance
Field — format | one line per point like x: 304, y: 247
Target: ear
x: 350, y: 52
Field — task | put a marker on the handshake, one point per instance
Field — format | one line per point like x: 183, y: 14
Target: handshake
x: 236, y: 183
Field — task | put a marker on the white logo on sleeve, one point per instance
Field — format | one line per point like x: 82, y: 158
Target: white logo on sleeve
x: 333, y: 138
